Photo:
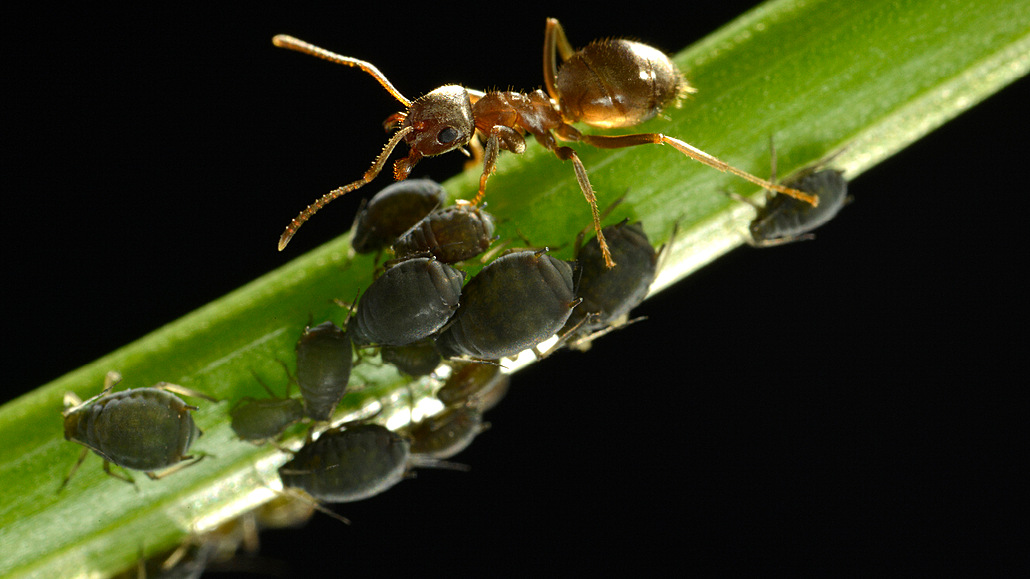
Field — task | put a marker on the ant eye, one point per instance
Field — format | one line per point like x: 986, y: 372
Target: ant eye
x: 447, y: 135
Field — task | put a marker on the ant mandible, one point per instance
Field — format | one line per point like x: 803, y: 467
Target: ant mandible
x: 608, y: 84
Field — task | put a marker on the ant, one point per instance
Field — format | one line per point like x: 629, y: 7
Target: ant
x: 608, y: 84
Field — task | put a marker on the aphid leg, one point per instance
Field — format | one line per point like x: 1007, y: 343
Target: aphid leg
x: 322, y: 201
x: 567, y: 154
x: 564, y: 337
x: 306, y: 498
x: 125, y: 477
x: 75, y: 468
x: 583, y: 344
x: 779, y: 240
x: 619, y: 141
x: 187, y: 461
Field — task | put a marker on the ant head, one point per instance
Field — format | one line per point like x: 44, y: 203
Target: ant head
x: 441, y: 121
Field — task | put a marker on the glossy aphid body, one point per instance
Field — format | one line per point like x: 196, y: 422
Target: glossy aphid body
x: 146, y: 429
x: 482, y: 384
x: 324, y: 360
x: 513, y: 304
x: 393, y: 211
x: 610, y: 83
x: 783, y: 219
x: 446, y: 434
x: 609, y: 294
x: 261, y: 419
x: 417, y: 359
x: 349, y: 463
x: 407, y: 303
x: 450, y: 234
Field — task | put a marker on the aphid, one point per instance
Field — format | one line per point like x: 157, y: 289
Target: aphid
x: 349, y: 463
x: 446, y: 434
x: 408, y: 303
x: 324, y: 359
x: 147, y: 429
x: 483, y: 384
x: 257, y: 420
x: 608, y: 84
x: 417, y: 359
x: 783, y: 219
x: 450, y: 234
x: 514, y: 303
x: 609, y: 294
x: 393, y: 211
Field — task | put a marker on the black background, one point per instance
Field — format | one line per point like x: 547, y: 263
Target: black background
x: 152, y: 158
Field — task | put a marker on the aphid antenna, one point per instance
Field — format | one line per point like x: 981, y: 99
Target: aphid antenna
x: 168, y: 386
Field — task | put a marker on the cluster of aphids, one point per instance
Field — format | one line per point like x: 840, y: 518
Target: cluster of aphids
x: 420, y: 311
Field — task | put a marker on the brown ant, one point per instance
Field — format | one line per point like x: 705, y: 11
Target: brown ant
x: 608, y: 84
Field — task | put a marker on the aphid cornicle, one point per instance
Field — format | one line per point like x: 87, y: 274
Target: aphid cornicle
x: 146, y: 429
x: 515, y: 302
x: 393, y: 211
x: 408, y: 303
x: 609, y: 83
x: 324, y: 360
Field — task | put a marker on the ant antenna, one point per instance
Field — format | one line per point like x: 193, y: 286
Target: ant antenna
x: 287, y: 41
x: 321, y: 202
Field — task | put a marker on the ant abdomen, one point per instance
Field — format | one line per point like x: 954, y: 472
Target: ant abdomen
x: 617, y: 83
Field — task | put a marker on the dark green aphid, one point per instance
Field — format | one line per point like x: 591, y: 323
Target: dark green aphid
x: 324, y: 360
x: 446, y: 434
x: 784, y: 219
x: 513, y: 304
x: 146, y: 429
x: 450, y: 234
x: 408, y: 303
x: 610, y: 293
x: 349, y: 463
x: 418, y: 359
x: 482, y: 384
x: 258, y: 420
x: 393, y: 211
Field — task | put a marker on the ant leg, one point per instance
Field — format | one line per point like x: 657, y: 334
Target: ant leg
x: 500, y: 137
x: 554, y: 41
x: 566, y: 154
x: 620, y: 141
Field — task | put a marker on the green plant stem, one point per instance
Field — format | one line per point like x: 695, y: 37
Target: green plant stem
x: 863, y: 80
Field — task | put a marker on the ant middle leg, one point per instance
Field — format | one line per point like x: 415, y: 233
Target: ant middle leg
x: 567, y: 154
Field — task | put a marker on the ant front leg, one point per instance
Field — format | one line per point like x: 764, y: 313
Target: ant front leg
x: 500, y: 137
x: 620, y: 141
